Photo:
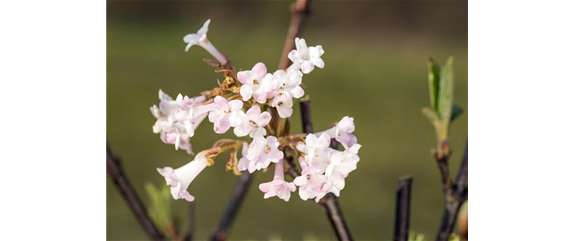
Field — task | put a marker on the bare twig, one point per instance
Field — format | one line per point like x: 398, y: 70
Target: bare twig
x: 336, y: 218
x: 191, y: 222
x: 329, y: 202
x: 116, y: 172
x: 299, y: 9
x: 403, y: 209
x: 455, y: 195
x: 234, y: 204
x: 306, y: 116
x: 442, y: 162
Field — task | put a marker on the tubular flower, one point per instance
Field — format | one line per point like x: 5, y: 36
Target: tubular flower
x: 200, y: 38
x: 316, y: 150
x: 261, y: 152
x: 310, y: 183
x: 343, y: 132
x: 225, y: 114
x: 256, y: 83
x: 342, y: 163
x: 278, y: 187
x: 179, y: 179
x: 252, y: 122
x: 306, y: 58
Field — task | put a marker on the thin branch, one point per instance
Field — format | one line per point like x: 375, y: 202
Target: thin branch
x: 403, y: 209
x: 455, y: 196
x: 234, y: 204
x: 116, y: 172
x: 329, y: 202
x: 306, y: 116
x: 336, y: 217
x: 299, y: 10
x: 442, y: 163
x: 191, y: 222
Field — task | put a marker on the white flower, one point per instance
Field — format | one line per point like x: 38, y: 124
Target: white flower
x: 244, y: 163
x: 343, y: 132
x: 177, y: 119
x: 200, y: 38
x: 283, y: 103
x: 252, y: 122
x: 179, y: 179
x: 261, y: 152
x: 342, y: 163
x: 278, y: 187
x: 306, y: 58
x: 310, y: 183
x: 225, y: 114
x: 289, y: 82
x: 316, y: 150
x: 256, y: 83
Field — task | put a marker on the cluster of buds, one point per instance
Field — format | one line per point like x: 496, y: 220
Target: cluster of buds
x: 253, y: 103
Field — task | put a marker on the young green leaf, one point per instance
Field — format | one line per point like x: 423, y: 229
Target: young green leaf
x: 446, y: 91
x: 160, y: 209
x: 434, y: 77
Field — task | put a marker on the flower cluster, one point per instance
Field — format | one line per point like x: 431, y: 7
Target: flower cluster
x: 254, y: 103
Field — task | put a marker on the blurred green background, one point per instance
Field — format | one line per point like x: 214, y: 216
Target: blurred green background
x: 375, y: 55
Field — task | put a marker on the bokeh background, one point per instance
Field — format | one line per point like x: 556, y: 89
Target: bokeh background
x: 375, y: 71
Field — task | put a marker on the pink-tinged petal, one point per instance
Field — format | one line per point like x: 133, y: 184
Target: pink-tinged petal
x: 244, y: 76
x: 291, y: 187
x: 297, y: 92
x: 275, y: 156
x: 300, y: 180
x: 307, y: 67
x: 252, y: 167
x: 271, y: 140
x: 246, y: 92
x: 236, y: 105
x: 285, y: 111
x: 221, y: 126
x: 259, y: 71
x: 347, y: 139
x: 324, y: 140
x: 311, y: 140
x: 220, y: 102
x: 269, y: 84
x: 260, y: 96
x: 279, y: 74
x: 254, y: 112
x: 294, y: 56
x: 241, y: 131
x: 188, y: 197
x: 215, y: 115
x: 263, y: 119
x: 237, y: 118
x: 265, y: 187
x: 168, y: 174
x: 294, y: 78
x: 346, y: 125
x: 245, y: 149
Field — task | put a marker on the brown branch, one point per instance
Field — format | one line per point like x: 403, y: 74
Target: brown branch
x: 299, y: 9
x: 116, y: 172
x: 336, y: 218
x: 191, y: 222
x: 403, y: 208
x: 329, y: 202
x: 306, y: 116
x: 234, y: 204
x: 455, y: 195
